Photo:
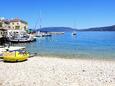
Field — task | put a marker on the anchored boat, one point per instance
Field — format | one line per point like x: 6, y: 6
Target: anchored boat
x: 74, y: 33
x: 22, y: 39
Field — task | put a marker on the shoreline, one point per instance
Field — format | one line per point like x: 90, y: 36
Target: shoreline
x: 48, y: 71
x: 76, y: 58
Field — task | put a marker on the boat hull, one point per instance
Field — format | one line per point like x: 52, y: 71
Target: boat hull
x: 15, y: 56
x: 21, y: 41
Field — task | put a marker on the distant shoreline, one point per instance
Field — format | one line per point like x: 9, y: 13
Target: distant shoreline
x: 70, y: 29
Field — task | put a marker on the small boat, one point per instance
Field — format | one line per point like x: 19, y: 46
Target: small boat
x: 74, y: 33
x: 13, y: 48
x: 38, y: 34
x: 46, y: 35
x: 14, y: 54
x: 43, y: 34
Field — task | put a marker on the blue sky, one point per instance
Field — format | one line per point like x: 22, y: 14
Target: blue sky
x: 69, y: 13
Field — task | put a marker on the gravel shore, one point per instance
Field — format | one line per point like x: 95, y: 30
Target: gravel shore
x: 44, y: 71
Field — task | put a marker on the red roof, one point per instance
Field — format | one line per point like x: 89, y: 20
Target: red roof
x: 18, y: 20
x: 15, y: 20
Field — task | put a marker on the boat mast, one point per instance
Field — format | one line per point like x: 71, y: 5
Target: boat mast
x: 38, y: 21
x: 74, y: 24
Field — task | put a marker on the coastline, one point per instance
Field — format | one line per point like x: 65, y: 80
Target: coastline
x: 78, y: 57
x: 46, y: 71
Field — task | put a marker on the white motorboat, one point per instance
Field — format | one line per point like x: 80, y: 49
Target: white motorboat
x: 18, y: 39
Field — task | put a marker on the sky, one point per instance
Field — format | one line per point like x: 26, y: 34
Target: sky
x: 78, y: 14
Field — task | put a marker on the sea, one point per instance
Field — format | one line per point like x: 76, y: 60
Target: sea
x: 84, y: 45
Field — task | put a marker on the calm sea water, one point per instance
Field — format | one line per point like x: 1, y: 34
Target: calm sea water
x: 96, y: 45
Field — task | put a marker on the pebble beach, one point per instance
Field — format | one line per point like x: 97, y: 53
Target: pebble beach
x: 45, y: 71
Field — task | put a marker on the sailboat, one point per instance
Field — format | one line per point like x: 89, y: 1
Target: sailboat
x: 38, y: 32
x: 41, y: 33
x: 74, y: 33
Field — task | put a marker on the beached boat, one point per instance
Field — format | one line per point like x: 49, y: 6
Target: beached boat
x: 13, y: 48
x: 14, y: 54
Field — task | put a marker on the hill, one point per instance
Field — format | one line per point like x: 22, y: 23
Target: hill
x: 57, y: 29
x: 69, y: 29
x: 106, y: 28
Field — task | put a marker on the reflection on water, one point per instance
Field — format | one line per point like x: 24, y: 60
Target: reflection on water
x: 82, y: 45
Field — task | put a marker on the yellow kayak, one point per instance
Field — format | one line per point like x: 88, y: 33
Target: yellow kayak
x: 13, y: 56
